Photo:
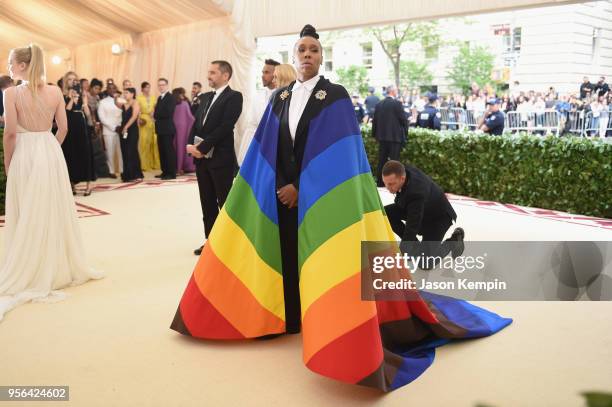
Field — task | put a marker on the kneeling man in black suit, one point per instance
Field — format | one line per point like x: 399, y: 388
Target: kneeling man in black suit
x: 420, y: 208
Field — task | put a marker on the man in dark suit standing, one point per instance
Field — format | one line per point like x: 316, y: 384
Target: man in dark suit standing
x: 196, y: 97
x: 389, y: 128
x: 164, y: 127
x: 215, y: 156
x: 420, y: 208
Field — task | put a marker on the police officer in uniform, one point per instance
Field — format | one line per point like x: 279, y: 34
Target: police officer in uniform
x: 429, y: 118
x: 360, y: 112
x: 493, y: 120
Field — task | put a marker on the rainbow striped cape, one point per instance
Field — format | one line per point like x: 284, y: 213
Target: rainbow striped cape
x: 236, y: 290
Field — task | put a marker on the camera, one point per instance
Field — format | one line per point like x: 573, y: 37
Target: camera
x: 77, y: 87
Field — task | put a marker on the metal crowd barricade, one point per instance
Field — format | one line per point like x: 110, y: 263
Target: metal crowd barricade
x: 459, y: 116
x: 471, y: 119
x: 599, y: 126
x: 574, y: 122
x: 512, y: 122
x: 542, y: 122
x: 452, y: 119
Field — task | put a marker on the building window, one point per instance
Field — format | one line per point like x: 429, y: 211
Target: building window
x: 516, y: 39
x: 328, y: 57
x: 596, y: 45
x: 511, y: 37
x: 284, y: 56
x: 366, y: 50
x: 507, y: 42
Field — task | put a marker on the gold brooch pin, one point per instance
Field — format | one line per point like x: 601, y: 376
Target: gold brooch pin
x: 321, y: 94
x: 284, y: 95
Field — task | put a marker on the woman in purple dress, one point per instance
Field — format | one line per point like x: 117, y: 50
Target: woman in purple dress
x: 183, y: 120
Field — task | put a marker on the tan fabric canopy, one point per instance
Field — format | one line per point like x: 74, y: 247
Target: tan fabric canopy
x: 81, y: 32
x: 171, y: 39
x: 58, y: 24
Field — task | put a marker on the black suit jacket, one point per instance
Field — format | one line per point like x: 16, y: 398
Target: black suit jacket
x: 390, y: 122
x: 164, y: 115
x: 423, y: 201
x: 195, y: 104
x: 218, y: 131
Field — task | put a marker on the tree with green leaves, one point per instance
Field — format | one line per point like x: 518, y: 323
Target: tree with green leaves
x: 473, y: 64
x: 354, y: 78
x: 414, y: 74
x: 391, y: 39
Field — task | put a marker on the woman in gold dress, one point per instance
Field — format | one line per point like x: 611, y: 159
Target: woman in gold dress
x: 147, y: 146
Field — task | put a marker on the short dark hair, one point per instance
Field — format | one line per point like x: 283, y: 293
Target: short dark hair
x: 163, y: 79
x: 196, y: 84
x: 131, y: 90
x: 272, y: 62
x: 95, y: 82
x: 224, y: 67
x: 83, y: 80
x: 144, y: 85
x: 393, y: 167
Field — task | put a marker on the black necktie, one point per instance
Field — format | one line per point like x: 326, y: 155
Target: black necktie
x: 207, y: 106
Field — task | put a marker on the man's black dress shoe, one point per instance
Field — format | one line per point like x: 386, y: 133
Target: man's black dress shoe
x: 458, y: 235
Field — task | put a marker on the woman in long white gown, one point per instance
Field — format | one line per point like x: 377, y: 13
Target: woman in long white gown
x: 43, y: 247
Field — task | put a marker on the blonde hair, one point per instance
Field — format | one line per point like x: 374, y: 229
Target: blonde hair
x: 34, y: 58
x: 285, y: 74
x: 65, y: 87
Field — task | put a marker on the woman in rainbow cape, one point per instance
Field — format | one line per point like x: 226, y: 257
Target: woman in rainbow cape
x: 284, y: 253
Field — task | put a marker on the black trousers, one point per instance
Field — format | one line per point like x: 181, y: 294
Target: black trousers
x: 432, y: 233
x: 167, y: 154
x: 131, y: 157
x: 288, y: 230
x: 100, y: 160
x: 214, y: 185
x: 387, y: 150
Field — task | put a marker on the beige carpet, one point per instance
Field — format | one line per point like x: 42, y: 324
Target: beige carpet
x: 110, y: 341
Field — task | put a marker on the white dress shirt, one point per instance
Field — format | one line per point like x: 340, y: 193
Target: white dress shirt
x: 258, y: 107
x: 109, y: 115
x: 215, y: 97
x: 299, y: 98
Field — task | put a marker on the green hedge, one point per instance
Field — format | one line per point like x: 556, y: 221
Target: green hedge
x: 569, y: 174
x: 2, y: 175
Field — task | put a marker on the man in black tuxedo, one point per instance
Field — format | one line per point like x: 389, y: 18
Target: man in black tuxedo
x: 196, y: 97
x: 422, y: 205
x: 215, y: 156
x: 389, y: 128
x: 164, y: 127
